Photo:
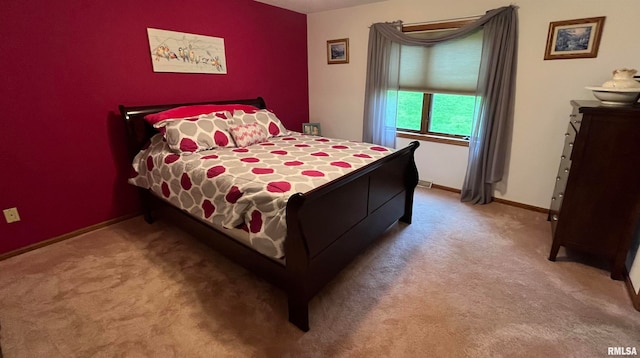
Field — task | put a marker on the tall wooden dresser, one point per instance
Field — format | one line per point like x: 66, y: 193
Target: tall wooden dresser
x: 595, y: 205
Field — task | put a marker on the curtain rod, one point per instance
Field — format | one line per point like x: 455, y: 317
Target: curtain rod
x: 475, y: 17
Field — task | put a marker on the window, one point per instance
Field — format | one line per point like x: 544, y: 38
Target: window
x: 438, y: 83
x: 435, y: 113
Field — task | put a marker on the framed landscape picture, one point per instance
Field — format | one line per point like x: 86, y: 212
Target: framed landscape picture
x: 338, y: 51
x: 579, y: 38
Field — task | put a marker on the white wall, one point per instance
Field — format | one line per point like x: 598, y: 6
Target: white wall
x: 544, y: 88
x: 438, y: 163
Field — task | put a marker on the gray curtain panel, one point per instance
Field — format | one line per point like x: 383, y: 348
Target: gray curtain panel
x: 382, y: 76
x: 496, y: 93
x: 496, y: 87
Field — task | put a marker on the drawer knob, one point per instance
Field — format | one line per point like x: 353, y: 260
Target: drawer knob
x: 560, y: 195
x: 571, y: 144
x: 566, y: 134
x: 554, y: 217
x: 566, y: 170
x: 563, y: 157
x: 557, y: 178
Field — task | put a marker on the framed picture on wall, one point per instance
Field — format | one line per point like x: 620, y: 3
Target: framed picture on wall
x: 579, y: 38
x: 338, y: 51
x: 182, y: 52
x: 311, y: 128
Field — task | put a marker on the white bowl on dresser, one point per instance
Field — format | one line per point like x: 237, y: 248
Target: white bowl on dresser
x: 616, y: 96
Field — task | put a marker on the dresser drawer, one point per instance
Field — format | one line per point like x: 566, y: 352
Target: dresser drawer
x: 561, y: 185
x: 575, y: 120
x: 559, y: 193
x: 569, y: 140
x: 563, y: 171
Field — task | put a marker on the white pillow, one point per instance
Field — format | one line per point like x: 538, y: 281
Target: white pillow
x: 265, y: 118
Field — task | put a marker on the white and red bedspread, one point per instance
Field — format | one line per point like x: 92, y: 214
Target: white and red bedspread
x: 249, y: 187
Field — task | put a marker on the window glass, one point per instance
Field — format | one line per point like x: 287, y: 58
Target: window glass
x: 447, y: 114
x: 452, y: 114
x: 409, y: 114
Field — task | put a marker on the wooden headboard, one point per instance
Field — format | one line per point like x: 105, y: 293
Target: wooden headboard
x: 139, y: 131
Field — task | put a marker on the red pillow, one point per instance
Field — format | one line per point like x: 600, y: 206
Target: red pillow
x: 194, y: 111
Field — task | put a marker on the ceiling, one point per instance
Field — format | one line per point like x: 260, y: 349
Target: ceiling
x: 309, y: 6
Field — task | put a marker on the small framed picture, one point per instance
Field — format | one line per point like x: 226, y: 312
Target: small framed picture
x: 338, y: 51
x: 311, y: 128
x: 579, y: 38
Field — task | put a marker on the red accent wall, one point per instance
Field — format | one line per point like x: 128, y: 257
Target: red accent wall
x: 67, y: 65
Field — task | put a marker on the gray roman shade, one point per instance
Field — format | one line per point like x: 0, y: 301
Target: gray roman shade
x: 447, y: 67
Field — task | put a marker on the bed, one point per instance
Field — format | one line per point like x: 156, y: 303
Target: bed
x: 325, y: 227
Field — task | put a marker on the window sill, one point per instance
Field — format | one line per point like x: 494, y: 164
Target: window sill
x: 433, y: 138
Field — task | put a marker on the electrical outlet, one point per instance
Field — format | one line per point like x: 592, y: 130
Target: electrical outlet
x: 11, y: 215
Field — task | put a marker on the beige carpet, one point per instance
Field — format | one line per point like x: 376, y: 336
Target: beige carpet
x: 461, y: 281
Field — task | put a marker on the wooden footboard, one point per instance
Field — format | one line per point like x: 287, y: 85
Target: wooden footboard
x: 329, y: 226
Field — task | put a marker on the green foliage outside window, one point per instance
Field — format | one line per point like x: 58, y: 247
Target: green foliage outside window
x: 409, y: 110
x: 450, y: 113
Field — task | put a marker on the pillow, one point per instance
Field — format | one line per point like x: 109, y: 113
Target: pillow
x: 160, y: 126
x: 265, y: 118
x: 195, y: 134
x: 193, y: 111
x: 248, y: 134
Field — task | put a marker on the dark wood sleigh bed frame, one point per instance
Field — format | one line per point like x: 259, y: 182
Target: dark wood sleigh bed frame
x: 359, y: 206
